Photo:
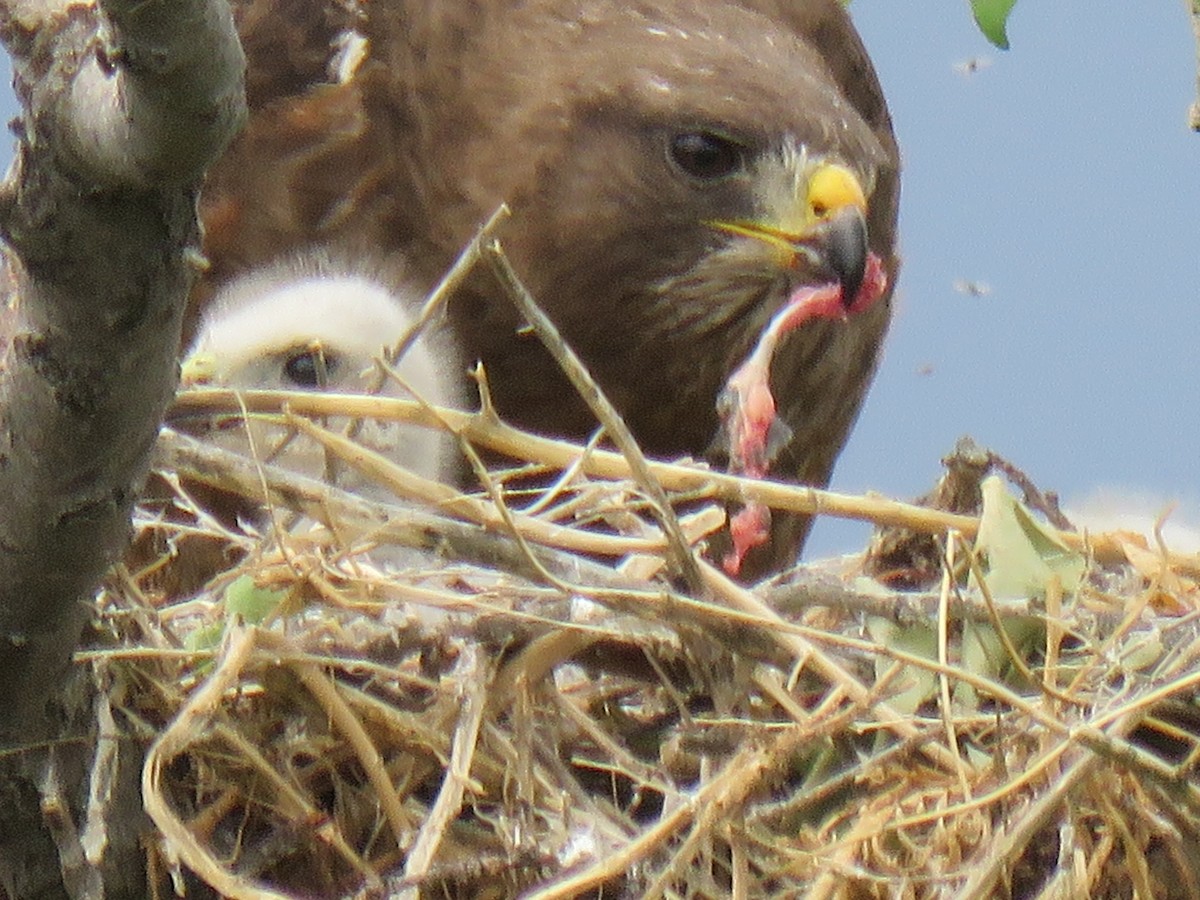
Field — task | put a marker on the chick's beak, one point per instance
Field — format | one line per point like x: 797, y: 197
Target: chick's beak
x: 197, y: 369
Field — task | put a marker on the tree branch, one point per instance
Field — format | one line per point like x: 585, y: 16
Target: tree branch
x: 124, y: 106
x: 1194, y: 109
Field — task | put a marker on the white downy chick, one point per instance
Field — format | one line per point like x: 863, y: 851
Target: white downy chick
x: 313, y: 325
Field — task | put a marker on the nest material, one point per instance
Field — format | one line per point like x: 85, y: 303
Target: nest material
x: 546, y: 692
x: 388, y: 702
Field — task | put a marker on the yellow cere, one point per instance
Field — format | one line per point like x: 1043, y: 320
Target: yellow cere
x: 829, y: 187
x: 832, y: 187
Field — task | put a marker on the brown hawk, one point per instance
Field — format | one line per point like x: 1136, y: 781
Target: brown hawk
x: 676, y: 171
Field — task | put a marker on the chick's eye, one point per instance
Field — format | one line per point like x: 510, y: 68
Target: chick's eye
x: 705, y: 155
x: 308, y: 367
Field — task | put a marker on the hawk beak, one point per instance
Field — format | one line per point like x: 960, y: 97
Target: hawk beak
x: 846, y: 250
x: 829, y: 232
x: 836, y: 211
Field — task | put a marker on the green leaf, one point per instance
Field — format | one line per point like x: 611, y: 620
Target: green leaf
x: 992, y: 17
x: 914, y: 685
x: 243, y: 601
x: 207, y: 637
x: 984, y: 654
x: 251, y: 604
x: 1145, y: 653
x: 1022, y: 554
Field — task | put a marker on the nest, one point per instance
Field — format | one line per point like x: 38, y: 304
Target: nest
x: 547, y: 692
x: 527, y: 697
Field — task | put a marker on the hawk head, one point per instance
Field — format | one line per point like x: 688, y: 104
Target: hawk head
x: 676, y: 172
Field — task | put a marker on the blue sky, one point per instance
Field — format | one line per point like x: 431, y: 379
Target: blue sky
x: 1062, y: 176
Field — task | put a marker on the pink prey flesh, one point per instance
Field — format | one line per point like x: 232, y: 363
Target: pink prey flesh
x: 748, y: 404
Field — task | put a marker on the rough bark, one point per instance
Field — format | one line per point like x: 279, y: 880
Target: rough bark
x: 125, y: 104
x: 1194, y: 109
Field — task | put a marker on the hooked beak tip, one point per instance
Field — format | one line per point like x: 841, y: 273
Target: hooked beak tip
x: 846, y: 251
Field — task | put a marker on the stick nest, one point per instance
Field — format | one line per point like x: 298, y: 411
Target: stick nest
x: 510, y: 695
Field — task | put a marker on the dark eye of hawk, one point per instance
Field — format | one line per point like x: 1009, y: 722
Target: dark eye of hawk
x: 309, y: 367
x: 706, y: 155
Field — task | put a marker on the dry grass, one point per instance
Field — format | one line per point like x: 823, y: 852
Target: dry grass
x: 547, y: 692
x: 500, y: 696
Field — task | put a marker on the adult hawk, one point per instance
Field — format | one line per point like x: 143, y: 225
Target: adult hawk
x: 676, y: 171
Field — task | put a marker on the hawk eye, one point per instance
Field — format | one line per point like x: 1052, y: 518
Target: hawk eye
x: 706, y: 155
x: 308, y: 367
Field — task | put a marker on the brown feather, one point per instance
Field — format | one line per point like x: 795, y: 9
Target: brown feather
x: 562, y: 109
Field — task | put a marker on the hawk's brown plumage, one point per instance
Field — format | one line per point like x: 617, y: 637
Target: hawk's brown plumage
x: 623, y: 136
